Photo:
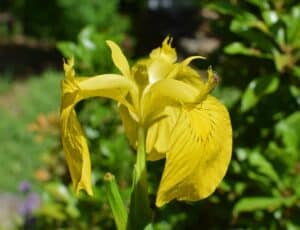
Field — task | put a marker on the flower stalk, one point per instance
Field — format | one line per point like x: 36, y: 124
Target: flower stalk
x: 140, y: 214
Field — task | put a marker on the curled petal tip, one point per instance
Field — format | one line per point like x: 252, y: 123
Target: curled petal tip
x: 168, y: 40
x: 69, y: 67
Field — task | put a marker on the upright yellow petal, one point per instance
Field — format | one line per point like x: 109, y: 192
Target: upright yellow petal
x: 119, y: 58
x: 165, y: 52
x: 199, y: 154
x: 161, y: 61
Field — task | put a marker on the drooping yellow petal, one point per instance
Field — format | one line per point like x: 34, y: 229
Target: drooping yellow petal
x: 199, y: 154
x: 74, y: 143
x: 119, y: 58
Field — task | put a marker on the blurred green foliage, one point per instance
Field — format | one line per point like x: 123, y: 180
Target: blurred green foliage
x: 21, y: 105
x: 90, y: 51
x: 61, y: 19
x: 261, y: 48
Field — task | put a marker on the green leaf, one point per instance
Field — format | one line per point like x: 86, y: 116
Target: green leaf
x: 249, y: 98
x: 270, y: 17
x: 58, y: 191
x: 262, y: 4
x: 280, y: 36
x: 53, y: 210
x: 295, y: 91
x: 228, y: 95
x: 250, y: 204
x: 263, y: 166
x: 289, y: 130
x: 281, y: 60
x: 239, y: 48
x: 247, y: 21
x: 66, y: 48
x: 256, y: 89
x: 224, y: 7
x: 85, y: 38
x: 292, y: 22
x: 296, y: 71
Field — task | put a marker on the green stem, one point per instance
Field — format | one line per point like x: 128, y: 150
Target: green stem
x: 140, y: 214
x: 140, y: 166
x: 115, y: 201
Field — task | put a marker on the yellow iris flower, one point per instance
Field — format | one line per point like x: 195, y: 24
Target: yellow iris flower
x: 171, y: 102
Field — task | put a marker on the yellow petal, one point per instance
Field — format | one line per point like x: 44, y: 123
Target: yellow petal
x: 158, y: 134
x: 199, y: 154
x: 111, y: 86
x: 188, y: 60
x: 166, y: 52
x: 130, y: 125
x: 68, y: 67
x: 119, y: 58
x: 74, y: 143
x: 190, y: 76
x: 167, y: 92
x: 161, y: 61
x: 159, y: 69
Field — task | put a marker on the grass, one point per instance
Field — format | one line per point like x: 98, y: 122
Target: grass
x: 21, y: 103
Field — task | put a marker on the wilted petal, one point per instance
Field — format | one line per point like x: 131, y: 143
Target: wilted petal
x: 199, y: 154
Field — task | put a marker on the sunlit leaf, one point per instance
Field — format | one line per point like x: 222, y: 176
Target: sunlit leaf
x: 263, y: 5
x: 228, y: 95
x: 262, y: 165
x: 270, y: 17
x: 258, y: 88
x: 289, y: 130
x: 250, y: 204
x: 224, y: 7
x: 239, y: 48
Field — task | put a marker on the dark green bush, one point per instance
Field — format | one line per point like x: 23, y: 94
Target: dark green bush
x: 63, y: 19
x: 261, y: 70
